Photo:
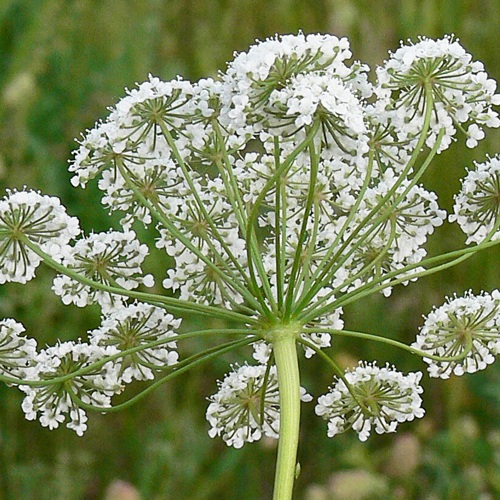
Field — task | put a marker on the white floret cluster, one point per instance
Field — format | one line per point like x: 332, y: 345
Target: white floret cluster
x: 247, y: 406
x: 219, y: 242
x: 466, y: 328
x: 158, y: 181
x: 462, y: 92
x: 40, y: 219
x: 262, y: 80
x: 477, y: 205
x: 17, y: 352
x: 139, y: 326
x: 58, y: 402
x: 379, y: 398
x: 130, y: 132
x: 397, y: 240
x: 201, y: 155
x: 113, y: 258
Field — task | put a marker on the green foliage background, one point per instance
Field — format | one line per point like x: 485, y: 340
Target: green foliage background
x: 61, y: 63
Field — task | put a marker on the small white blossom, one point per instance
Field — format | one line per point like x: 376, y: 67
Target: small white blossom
x: 474, y: 134
x: 414, y: 217
x: 321, y: 96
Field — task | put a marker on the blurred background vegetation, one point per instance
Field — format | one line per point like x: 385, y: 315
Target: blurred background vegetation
x: 61, y: 63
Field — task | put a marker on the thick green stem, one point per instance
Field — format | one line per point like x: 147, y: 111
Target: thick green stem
x: 285, y: 354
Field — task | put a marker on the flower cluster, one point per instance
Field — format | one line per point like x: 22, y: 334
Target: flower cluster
x: 57, y: 401
x: 111, y: 258
x: 477, y: 206
x: 156, y: 179
x: 62, y: 381
x: 139, y: 326
x: 371, y: 397
x: 29, y: 217
x: 464, y: 329
x: 247, y: 405
x: 279, y: 82
x: 461, y: 90
x: 274, y: 94
x: 397, y: 239
x: 130, y: 133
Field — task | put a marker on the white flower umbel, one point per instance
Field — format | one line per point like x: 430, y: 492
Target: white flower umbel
x: 158, y: 181
x: 113, y: 258
x: 56, y: 402
x: 461, y: 89
x: 477, y: 206
x: 28, y: 215
x: 139, y: 325
x: 466, y: 328
x: 197, y: 281
x: 254, y: 76
x: 379, y: 398
x: 17, y: 352
x: 398, y: 239
x: 416, y: 215
x: 190, y: 220
x: 247, y: 405
x: 321, y: 97
x: 131, y: 131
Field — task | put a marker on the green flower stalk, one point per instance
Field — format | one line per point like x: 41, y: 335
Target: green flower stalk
x: 282, y: 192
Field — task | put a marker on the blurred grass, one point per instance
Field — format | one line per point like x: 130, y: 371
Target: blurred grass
x: 61, y: 63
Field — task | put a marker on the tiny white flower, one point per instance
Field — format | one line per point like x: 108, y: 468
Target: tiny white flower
x: 474, y: 134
